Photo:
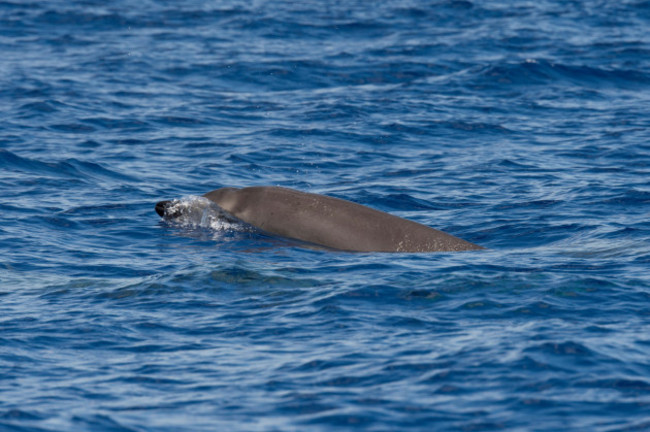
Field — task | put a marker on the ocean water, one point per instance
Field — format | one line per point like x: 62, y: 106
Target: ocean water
x: 521, y: 126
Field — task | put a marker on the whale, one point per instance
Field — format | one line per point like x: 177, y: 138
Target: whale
x: 326, y: 221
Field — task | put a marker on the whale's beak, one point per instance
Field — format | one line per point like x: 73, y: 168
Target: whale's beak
x: 160, y: 208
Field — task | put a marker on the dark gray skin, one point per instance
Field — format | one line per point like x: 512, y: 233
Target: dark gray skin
x: 330, y: 222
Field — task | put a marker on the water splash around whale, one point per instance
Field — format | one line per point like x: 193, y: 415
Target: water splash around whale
x: 198, y: 212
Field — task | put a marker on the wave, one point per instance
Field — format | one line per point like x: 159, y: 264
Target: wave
x: 70, y: 168
x: 540, y: 72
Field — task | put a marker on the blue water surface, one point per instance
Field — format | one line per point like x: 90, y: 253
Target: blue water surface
x: 521, y: 126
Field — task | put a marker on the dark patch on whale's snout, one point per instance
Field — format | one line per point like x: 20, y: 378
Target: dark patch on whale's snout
x: 160, y: 208
x: 163, y: 210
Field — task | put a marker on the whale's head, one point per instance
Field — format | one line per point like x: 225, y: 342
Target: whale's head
x: 194, y: 211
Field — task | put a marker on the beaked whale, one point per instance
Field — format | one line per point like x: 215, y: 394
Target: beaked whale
x: 327, y: 221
